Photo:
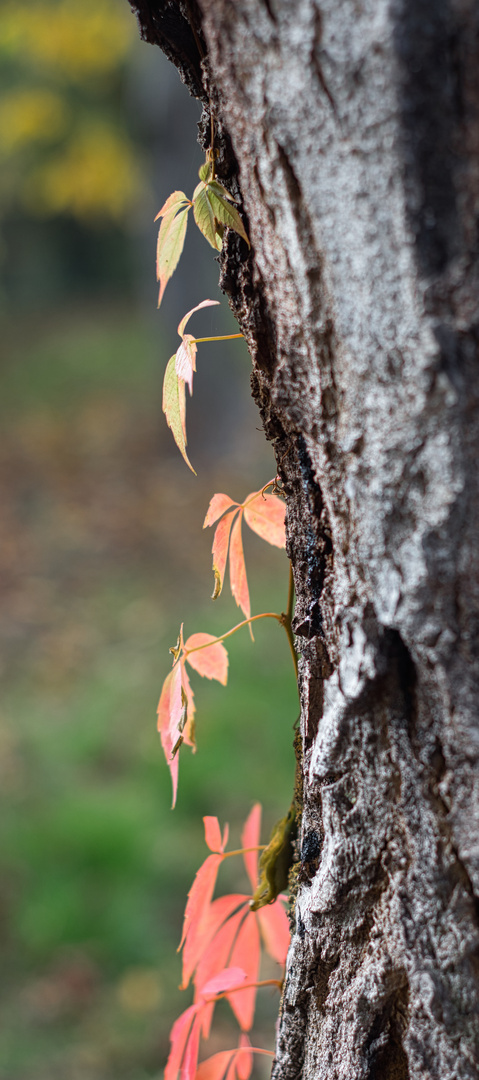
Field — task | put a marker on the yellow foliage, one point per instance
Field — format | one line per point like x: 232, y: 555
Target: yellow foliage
x: 94, y: 176
x: 63, y: 145
x: 28, y: 116
x: 67, y: 37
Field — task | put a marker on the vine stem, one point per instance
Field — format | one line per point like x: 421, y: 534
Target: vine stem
x: 284, y: 620
x: 241, y: 851
x: 246, y: 622
x: 222, y: 337
x: 235, y: 989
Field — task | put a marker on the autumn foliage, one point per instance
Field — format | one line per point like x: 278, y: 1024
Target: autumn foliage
x: 222, y: 938
x: 207, y: 655
x: 221, y: 942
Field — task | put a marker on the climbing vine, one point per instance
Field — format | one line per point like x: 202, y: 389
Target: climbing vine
x: 222, y: 937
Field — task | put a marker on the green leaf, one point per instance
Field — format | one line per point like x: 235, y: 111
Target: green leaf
x: 214, y: 185
x: 224, y: 212
x: 171, y: 238
x: 174, y: 408
x: 173, y: 202
x: 204, y: 215
x: 204, y: 170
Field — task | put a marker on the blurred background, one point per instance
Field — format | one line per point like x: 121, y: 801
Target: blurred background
x: 103, y: 555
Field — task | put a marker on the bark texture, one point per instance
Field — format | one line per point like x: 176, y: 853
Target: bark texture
x: 350, y: 130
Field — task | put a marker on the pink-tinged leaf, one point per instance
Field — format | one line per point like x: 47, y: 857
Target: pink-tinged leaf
x: 230, y: 977
x: 173, y: 202
x: 229, y: 1063
x: 247, y: 950
x: 184, y: 320
x: 274, y: 925
x: 189, y: 729
x: 217, y: 507
x: 214, y: 1067
x: 169, y: 716
x: 244, y: 1058
x: 250, y: 839
x: 174, y: 407
x: 178, y: 1038
x: 265, y: 516
x: 212, y: 661
x: 220, y: 552
x: 171, y: 239
x: 185, y: 363
x: 216, y: 953
x: 219, y: 911
x: 199, y: 898
x: 238, y: 580
x: 189, y: 1064
x: 213, y: 834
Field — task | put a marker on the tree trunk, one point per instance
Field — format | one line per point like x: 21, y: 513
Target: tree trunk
x: 350, y: 130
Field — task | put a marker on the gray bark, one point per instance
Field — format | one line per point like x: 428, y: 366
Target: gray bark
x: 351, y: 131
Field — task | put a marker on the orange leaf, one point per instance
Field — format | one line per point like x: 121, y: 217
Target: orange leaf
x: 244, y: 1058
x: 214, y: 1067
x: 217, y: 938
x: 189, y: 1064
x: 184, y: 320
x: 220, y: 552
x: 189, y: 728
x: 238, y: 580
x: 246, y: 951
x: 196, y: 911
x: 213, y: 837
x: 274, y: 925
x: 225, y: 980
x: 265, y: 516
x: 250, y: 839
x: 229, y: 1063
x: 185, y: 363
x: 217, y: 952
x: 179, y: 1037
x: 218, y: 505
x: 211, y: 661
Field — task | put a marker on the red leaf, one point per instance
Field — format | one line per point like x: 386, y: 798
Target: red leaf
x: 247, y: 951
x: 220, y: 551
x: 274, y: 925
x: 265, y: 515
x: 250, y: 839
x: 212, y: 661
x: 238, y: 580
x: 217, y: 507
x: 196, y: 911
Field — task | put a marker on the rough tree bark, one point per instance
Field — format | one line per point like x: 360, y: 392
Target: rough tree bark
x: 350, y: 131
